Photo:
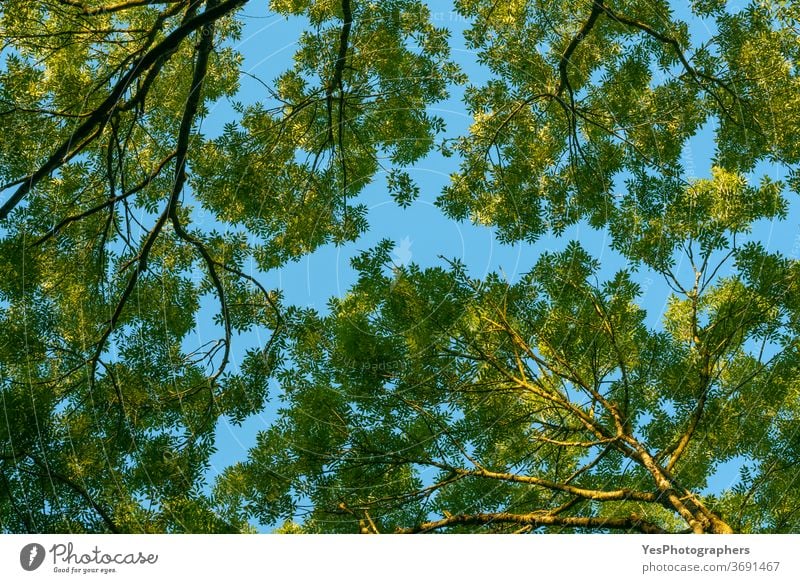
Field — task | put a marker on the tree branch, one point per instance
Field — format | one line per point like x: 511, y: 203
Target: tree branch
x: 114, y: 199
x: 109, y: 8
x: 597, y: 10
x: 587, y: 493
x: 698, y: 76
x: 95, y: 123
x: 535, y: 520
x: 190, y: 110
x: 80, y: 490
x: 341, y: 60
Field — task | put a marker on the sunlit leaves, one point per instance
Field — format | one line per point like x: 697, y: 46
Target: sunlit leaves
x: 130, y: 268
x: 551, y: 136
x: 104, y: 272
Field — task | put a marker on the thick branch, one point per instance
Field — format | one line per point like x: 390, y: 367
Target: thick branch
x: 99, y: 117
x: 189, y: 113
x: 108, y: 8
x: 597, y: 10
x: 587, y: 493
x: 536, y: 520
x: 665, y: 485
x: 338, y: 69
x: 344, y: 36
x: 190, y: 110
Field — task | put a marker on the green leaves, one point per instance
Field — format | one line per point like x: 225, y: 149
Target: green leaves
x: 579, y: 101
x: 402, y: 188
x: 133, y: 247
x: 122, y: 222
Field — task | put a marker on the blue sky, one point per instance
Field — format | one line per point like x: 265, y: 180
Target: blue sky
x: 421, y: 232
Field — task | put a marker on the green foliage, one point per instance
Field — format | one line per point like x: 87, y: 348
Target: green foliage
x: 120, y: 219
x: 422, y: 399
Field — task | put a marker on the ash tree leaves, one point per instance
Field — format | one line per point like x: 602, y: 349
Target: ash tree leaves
x: 612, y: 91
x: 430, y: 401
x: 422, y: 400
x: 553, y: 404
x: 121, y: 221
x: 402, y: 188
x: 289, y: 169
x: 653, y: 221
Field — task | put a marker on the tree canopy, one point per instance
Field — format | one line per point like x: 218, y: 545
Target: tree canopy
x: 422, y: 399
